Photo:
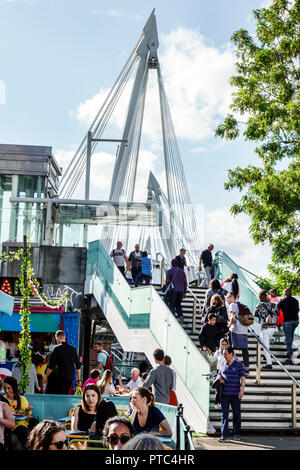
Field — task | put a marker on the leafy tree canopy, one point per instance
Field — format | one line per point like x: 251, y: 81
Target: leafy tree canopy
x: 267, y: 98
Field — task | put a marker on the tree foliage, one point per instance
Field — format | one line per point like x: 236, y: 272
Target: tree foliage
x: 267, y: 99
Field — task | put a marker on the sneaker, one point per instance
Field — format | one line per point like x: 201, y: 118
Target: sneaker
x: 224, y: 439
x: 237, y: 437
x: 267, y: 366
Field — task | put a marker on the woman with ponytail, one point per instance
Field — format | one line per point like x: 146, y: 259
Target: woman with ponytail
x: 146, y: 417
x: 231, y: 285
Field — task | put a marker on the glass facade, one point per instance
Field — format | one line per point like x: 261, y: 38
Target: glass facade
x: 21, y: 219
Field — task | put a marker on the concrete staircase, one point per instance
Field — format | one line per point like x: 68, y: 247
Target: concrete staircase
x: 265, y: 407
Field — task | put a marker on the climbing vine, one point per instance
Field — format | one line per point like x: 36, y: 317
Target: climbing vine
x: 28, y: 284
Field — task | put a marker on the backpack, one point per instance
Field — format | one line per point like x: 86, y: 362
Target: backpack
x: 113, y: 252
x: 109, y: 362
x: 245, y: 316
x: 271, y: 319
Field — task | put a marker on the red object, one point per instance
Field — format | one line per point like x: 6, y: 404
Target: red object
x: 6, y: 287
x: 280, y: 318
x: 41, y: 309
x: 173, y: 398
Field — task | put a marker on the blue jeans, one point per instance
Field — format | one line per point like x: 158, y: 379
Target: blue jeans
x: 139, y: 279
x: 289, y: 329
x: 235, y: 403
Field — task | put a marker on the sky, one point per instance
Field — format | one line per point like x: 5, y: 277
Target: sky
x: 59, y: 59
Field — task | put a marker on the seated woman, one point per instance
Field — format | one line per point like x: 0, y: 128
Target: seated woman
x: 106, y: 385
x: 85, y: 414
x: 19, y: 404
x: 146, y: 417
x: 93, y: 378
x: 47, y: 435
x: 117, y: 432
x: 6, y: 421
x: 105, y: 410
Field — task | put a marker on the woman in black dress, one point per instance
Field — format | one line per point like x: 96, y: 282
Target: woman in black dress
x: 85, y: 414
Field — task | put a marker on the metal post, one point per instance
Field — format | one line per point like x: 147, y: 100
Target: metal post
x: 162, y: 279
x: 178, y: 416
x: 258, y: 363
x: 48, y: 223
x: 294, y: 405
x: 194, y: 315
x: 88, y: 165
x: 186, y: 438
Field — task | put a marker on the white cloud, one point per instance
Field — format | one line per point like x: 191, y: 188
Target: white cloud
x: 197, y: 82
x: 196, y: 77
x: 230, y: 234
x: 117, y: 14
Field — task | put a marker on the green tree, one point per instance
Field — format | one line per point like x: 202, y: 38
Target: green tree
x: 266, y: 97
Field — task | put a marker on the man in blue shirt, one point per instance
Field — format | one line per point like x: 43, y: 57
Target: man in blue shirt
x: 146, y: 272
x: 102, y: 356
x: 232, y: 375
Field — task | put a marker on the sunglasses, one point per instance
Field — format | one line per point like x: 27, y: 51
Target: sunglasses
x: 113, y: 439
x: 59, y: 445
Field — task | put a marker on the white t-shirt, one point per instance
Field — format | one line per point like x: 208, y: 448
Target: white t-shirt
x: 236, y: 328
x: 138, y: 383
x: 228, y: 287
x: 109, y: 389
x: 118, y: 256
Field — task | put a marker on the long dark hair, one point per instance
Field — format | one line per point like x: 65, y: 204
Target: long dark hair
x: 96, y: 389
x: 235, y: 285
x: 145, y: 393
x: 14, y: 385
x: 41, y: 436
x: 215, y: 284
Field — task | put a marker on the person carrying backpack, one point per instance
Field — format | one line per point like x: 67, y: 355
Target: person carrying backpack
x: 239, y: 332
x: 119, y: 256
x: 267, y: 316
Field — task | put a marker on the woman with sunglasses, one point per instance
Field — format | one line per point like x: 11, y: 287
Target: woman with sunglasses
x: 146, y: 417
x: 85, y: 414
x: 47, y: 435
x: 117, y: 432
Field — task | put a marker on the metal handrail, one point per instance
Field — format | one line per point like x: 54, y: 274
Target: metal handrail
x: 248, y: 286
x: 194, y: 309
x: 295, y: 382
x: 274, y: 357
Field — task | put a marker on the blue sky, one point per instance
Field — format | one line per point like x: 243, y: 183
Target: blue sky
x: 60, y: 57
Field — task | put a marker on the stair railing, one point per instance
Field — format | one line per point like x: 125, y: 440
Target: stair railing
x: 195, y: 302
x: 295, y: 382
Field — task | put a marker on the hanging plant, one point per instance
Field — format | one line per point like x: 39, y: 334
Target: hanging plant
x: 27, y: 284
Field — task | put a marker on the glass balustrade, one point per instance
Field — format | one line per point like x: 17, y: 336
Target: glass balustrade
x: 143, y: 308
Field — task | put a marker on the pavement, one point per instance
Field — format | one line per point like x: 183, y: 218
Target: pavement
x: 251, y: 442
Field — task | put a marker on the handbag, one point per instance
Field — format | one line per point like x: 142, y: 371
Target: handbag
x: 170, y: 286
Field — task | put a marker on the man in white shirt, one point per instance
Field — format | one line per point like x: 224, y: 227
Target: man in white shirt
x: 135, y: 381
x: 239, y: 332
x: 119, y: 256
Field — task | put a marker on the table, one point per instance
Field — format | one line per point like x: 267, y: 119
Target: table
x: 21, y: 418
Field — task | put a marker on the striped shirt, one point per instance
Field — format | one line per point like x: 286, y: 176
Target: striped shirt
x: 232, y: 374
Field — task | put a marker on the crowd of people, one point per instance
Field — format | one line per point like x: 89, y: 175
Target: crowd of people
x: 96, y: 415
x: 224, y: 330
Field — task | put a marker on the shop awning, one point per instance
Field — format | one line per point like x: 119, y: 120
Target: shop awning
x: 6, y: 303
